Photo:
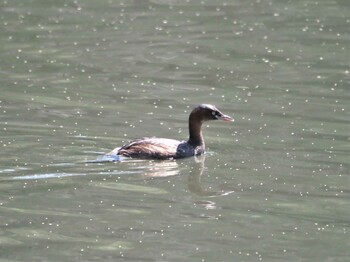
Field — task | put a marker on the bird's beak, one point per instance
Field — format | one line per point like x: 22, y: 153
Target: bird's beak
x: 226, y: 118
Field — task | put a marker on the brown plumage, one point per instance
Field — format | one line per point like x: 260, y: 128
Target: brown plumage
x: 164, y: 148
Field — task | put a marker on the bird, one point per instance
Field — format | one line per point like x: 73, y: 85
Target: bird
x: 165, y: 148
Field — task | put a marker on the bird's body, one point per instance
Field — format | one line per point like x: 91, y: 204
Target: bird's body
x: 165, y: 148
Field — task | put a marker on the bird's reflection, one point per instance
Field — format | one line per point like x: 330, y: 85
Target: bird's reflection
x: 195, y: 172
x: 194, y: 181
x: 162, y: 169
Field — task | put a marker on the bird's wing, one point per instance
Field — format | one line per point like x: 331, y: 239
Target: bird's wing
x: 161, y: 148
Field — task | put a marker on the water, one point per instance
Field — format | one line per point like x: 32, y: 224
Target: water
x: 79, y: 78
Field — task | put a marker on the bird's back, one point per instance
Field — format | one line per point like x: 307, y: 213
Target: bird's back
x: 149, y: 148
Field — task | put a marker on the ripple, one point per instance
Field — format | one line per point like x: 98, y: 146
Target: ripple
x: 48, y: 175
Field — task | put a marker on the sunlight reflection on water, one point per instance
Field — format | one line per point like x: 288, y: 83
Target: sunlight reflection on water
x: 80, y: 78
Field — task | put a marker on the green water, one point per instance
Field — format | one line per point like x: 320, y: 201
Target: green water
x: 79, y: 78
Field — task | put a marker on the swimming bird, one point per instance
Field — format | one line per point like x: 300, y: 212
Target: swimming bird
x: 165, y: 148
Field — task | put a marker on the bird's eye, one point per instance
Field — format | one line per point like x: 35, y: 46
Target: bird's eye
x: 215, y: 114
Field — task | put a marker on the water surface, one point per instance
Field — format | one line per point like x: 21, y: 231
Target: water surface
x: 79, y: 78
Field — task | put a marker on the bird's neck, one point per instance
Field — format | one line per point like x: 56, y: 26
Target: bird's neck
x: 195, y: 129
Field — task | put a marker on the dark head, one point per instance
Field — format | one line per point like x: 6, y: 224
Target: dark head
x: 206, y: 112
x: 199, y: 114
